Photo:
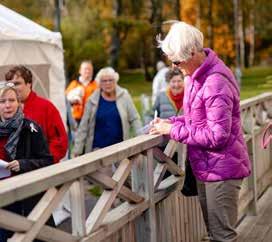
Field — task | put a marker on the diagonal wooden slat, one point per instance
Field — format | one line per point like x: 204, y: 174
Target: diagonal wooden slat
x: 170, y: 148
x: 41, y: 212
x: 160, y: 169
x: 108, y: 182
x: 118, y: 217
x: 171, y: 165
x: 164, y: 159
x: 158, y: 174
x: 19, y: 223
x: 107, y: 198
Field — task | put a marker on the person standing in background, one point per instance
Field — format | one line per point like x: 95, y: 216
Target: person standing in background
x: 109, y: 115
x: 79, y: 90
x: 169, y: 102
x: 40, y: 110
x: 159, y: 83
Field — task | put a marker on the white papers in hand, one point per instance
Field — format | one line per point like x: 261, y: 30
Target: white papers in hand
x: 3, y: 171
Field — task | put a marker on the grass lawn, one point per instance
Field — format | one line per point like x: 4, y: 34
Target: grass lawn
x: 135, y: 83
x: 255, y: 81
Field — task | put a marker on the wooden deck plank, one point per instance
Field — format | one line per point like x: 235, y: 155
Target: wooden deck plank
x: 257, y: 233
x: 268, y: 235
x: 257, y: 228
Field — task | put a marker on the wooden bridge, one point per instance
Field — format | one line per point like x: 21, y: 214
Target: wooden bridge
x: 151, y: 207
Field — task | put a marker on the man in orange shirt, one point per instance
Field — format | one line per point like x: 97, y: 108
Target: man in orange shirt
x: 78, y: 91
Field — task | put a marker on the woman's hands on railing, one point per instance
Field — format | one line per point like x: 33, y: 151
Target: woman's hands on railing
x: 160, y: 126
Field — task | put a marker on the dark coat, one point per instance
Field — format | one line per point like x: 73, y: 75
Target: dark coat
x: 32, y: 149
x: 32, y: 153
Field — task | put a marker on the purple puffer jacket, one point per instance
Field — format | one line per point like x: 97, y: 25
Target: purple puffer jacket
x: 211, y: 125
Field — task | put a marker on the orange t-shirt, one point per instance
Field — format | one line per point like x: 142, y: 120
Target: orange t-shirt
x: 78, y: 108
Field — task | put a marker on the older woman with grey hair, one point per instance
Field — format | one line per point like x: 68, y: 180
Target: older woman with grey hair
x: 210, y: 126
x: 109, y: 114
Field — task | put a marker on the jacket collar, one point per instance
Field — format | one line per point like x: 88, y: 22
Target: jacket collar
x: 212, y: 65
x: 211, y: 60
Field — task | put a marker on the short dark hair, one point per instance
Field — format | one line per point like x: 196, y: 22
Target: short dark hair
x: 173, y: 72
x: 20, y: 70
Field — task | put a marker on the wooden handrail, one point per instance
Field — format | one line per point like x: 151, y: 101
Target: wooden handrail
x: 25, y: 185
x: 255, y: 100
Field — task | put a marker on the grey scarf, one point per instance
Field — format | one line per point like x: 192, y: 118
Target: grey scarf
x: 12, y: 128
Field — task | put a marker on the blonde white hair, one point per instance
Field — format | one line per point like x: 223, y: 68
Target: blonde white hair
x: 181, y: 41
x: 107, y: 71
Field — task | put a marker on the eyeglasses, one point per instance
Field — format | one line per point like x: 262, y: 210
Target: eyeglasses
x: 107, y: 80
x: 176, y: 63
x: 6, y: 84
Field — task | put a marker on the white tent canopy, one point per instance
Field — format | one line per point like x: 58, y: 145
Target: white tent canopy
x: 23, y: 42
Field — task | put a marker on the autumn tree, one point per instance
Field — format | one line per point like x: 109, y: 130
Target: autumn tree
x: 122, y: 33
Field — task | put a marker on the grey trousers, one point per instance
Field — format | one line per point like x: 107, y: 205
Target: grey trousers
x: 219, y: 204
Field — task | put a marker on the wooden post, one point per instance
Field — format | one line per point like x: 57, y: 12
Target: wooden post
x: 150, y: 193
x: 138, y: 185
x: 143, y: 184
x: 78, y: 208
x: 252, y: 180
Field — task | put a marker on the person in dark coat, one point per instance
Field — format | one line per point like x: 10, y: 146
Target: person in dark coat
x: 23, y: 146
x: 41, y: 110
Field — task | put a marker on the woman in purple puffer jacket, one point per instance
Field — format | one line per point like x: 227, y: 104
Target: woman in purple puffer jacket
x: 210, y: 126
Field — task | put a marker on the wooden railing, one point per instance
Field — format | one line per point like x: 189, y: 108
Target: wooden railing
x: 256, y: 114
x: 151, y: 207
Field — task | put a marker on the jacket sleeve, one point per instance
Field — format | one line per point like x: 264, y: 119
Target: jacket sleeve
x: 56, y: 134
x: 82, y: 132
x: 178, y: 119
x: 133, y: 115
x: 40, y: 156
x: 214, y: 133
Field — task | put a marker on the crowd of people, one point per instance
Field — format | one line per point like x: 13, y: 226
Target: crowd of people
x: 196, y: 100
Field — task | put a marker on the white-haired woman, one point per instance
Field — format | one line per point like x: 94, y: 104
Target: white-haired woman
x: 108, y: 117
x: 210, y: 126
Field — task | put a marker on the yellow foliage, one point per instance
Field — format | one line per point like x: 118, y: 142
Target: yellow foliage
x: 188, y: 11
x: 223, y: 41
